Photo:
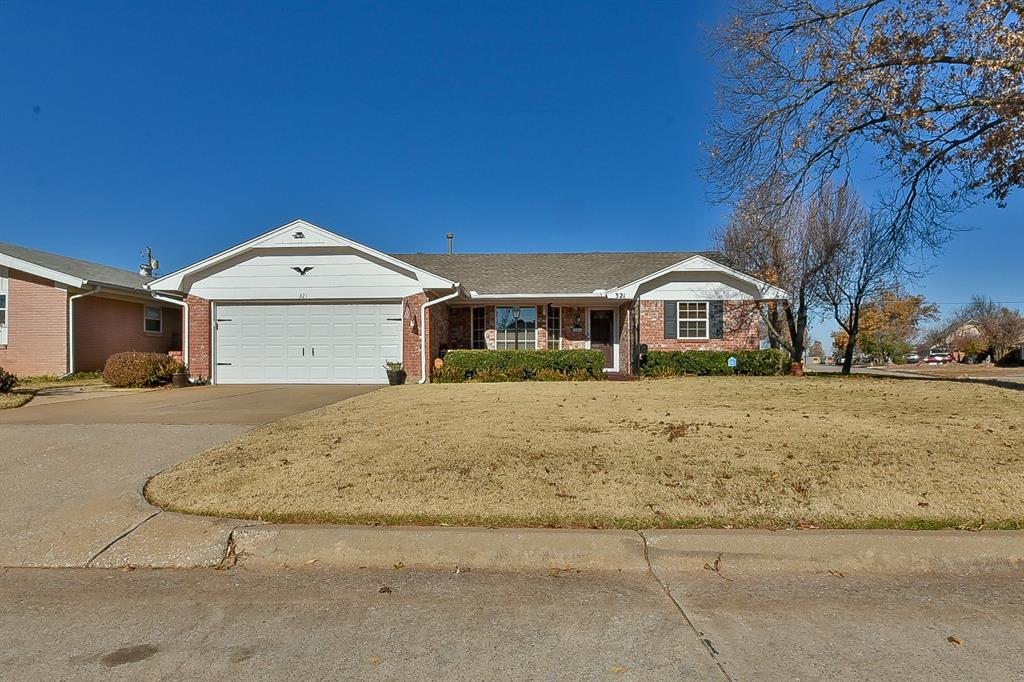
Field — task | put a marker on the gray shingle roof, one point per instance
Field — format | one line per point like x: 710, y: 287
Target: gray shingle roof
x: 95, y: 273
x: 546, y: 273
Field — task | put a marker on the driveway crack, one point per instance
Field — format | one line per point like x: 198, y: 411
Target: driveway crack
x: 122, y: 536
x: 705, y: 642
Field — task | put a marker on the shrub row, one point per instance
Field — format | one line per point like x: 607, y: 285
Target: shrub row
x: 137, y: 370
x: 7, y: 381
x: 521, y: 365
x: 713, y: 362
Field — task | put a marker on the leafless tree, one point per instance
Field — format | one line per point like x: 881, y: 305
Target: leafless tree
x: 863, y: 268
x: 787, y: 244
x: 935, y: 87
x: 1001, y: 328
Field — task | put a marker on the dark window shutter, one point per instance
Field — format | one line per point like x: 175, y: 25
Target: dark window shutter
x: 716, y: 315
x: 671, y: 319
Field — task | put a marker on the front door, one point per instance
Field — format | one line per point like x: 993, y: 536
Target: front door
x: 602, y: 338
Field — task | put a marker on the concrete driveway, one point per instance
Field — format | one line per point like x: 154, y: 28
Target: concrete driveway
x: 73, y: 470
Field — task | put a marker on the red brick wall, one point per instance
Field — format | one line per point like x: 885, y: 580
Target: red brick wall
x: 742, y: 329
x: 411, y: 334
x: 104, y: 326
x: 199, y: 351
x: 37, y: 326
x: 460, y: 327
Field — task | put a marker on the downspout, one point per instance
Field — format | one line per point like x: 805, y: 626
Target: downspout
x: 184, y: 322
x: 71, y: 328
x: 423, y: 330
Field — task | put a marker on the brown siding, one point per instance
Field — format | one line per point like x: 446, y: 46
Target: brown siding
x: 104, y: 326
x: 742, y: 329
x: 37, y: 316
x: 199, y: 351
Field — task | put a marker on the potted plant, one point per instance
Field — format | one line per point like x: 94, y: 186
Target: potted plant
x: 396, y: 373
x: 179, y: 378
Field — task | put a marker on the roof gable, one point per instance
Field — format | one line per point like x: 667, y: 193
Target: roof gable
x: 297, y: 234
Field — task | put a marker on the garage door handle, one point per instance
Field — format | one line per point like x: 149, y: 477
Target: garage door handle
x: 223, y: 319
x: 303, y: 352
x: 223, y: 364
x: 394, y: 319
x: 314, y: 351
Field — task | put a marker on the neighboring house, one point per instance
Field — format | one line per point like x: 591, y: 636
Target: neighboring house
x: 59, y: 314
x: 300, y: 304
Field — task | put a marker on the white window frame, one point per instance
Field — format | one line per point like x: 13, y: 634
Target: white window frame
x: 547, y: 325
x: 146, y: 318
x: 6, y: 307
x: 503, y: 344
x: 473, y: 329
x: 680, y: 319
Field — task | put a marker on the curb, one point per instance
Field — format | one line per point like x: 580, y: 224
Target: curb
x: 539, y: 549
x: 498, y: 549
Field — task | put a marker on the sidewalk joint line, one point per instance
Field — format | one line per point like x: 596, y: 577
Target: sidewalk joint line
x: 122, y: 536
x: 712, y: 652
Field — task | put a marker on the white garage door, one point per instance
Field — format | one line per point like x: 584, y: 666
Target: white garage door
x: 307, y: 343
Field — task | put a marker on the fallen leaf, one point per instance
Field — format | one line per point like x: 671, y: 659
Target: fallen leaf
x: 955, y: 641
x: 922, y: 504
x: 385, y: 590
x: 835, y: 574
x: 399, y: 566
x: 619, y: 669
x: 375, y: 660
x: 312, y: 561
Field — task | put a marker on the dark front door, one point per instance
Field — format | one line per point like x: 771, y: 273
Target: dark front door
x: 602, y: 323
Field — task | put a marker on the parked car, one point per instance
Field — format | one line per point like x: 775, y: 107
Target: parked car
x: 938, y: 358
x: 913, y: 359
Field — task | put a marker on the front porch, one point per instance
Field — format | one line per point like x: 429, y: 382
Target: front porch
x: 536, y: 324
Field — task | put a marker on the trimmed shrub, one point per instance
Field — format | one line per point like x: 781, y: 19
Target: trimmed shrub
x: 448, y: 375
x: 137, y: 370
x: 520, y: 365
x: 716, y: 363
x: 7, y: 381
x: 546, y: 374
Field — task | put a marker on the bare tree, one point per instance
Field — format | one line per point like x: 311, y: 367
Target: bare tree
x: 1001, y: 328
x: 863, y: 268
x: 935, y: 87
x: 785, y: 243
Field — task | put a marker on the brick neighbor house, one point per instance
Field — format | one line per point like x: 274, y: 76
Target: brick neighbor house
x: 300, y: 304
x: 60, y: 315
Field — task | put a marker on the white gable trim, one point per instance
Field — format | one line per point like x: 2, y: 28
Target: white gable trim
x: 699, y: 263
x: 39, y: 271
x: 313, y: 235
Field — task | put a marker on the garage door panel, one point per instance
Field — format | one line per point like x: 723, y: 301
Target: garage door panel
x: 307, y: 343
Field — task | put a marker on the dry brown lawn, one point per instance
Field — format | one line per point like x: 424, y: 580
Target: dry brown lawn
x: 9, y: 400
x: 823, y: 451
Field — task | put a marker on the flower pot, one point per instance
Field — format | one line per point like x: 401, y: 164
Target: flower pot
x: 396, y: 377
x: 179, y: 379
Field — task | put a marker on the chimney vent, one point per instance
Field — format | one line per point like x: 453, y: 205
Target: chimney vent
x: 451, y: 242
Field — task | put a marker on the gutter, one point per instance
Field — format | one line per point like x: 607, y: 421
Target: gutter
x: 184, y: 322
x: 423, y: 331
x: 71, y: 328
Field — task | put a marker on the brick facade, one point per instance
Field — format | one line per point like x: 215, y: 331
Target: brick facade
x: 104, y: 326
x: 200, y: 352
x: 411, y: 330
x: 742, y: 329
x: 37, y: 326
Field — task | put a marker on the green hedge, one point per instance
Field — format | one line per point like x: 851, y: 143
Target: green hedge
x: 520, y: 365
x: 662, y: 363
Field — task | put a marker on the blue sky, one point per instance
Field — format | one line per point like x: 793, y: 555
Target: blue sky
x: 520, y: 126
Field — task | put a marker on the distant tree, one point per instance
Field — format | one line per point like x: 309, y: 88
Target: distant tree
x: 889, y: 325
x: 817, y: 350
x: 782, y: 241
x: 935, y: 87
x: 1001, y: 328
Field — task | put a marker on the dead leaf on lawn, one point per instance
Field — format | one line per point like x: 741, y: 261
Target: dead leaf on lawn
x: 922, y: 504
x: 955, y: 641
x: 375, y: 660
x: 385, y: 590
x: 399, y: 566
x: 835, y: 574
x: 619, y: 669
x: 311, y: 562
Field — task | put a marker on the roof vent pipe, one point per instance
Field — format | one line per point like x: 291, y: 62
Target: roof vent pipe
x: 451, y: 243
